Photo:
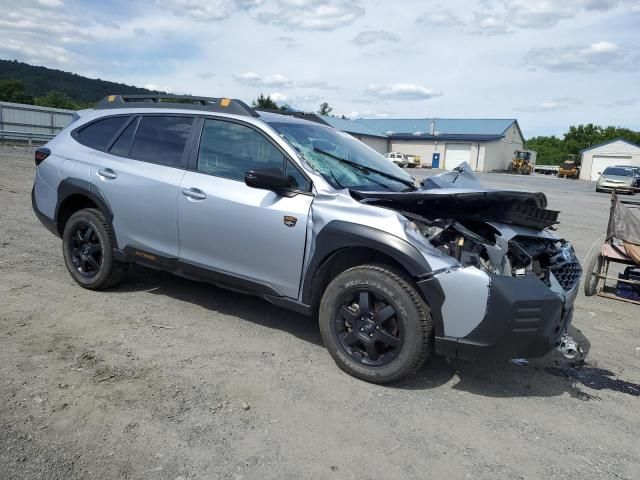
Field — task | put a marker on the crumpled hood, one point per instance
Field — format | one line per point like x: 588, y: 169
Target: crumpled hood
x: 458, y: 194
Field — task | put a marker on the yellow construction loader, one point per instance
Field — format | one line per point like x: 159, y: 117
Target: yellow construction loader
x: 521, y: 163
x: 570, y: 167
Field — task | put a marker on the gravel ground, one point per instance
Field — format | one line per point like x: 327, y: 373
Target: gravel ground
x: 92, y: 384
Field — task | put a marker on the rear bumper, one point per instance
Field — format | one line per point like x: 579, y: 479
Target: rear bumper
x: 46, y: 221
x: 524, y: 319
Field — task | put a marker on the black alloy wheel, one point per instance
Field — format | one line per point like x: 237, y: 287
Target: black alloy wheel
x: 368, y: 329
x: 86, y: 250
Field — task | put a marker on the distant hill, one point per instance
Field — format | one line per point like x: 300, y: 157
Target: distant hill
x: 38, y: 81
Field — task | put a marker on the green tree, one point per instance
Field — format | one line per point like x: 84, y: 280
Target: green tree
x: 325, y: 109
x: 56, y: 100
x: 12, y: 90
x: 264, y: 102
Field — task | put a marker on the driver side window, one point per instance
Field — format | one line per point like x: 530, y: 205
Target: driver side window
x: 230, y: 150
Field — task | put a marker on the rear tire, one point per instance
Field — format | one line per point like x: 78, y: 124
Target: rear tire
x: 594, y: 267
x: 375, y: 324
x: 87, y: 244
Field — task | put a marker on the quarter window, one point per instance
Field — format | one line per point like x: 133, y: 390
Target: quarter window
x: 122, y: 145
x: 98, y: 134
x: 230, y: 150
x: 161, y: 139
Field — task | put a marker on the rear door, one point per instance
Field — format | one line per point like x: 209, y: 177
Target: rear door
x: 139, y: 176
x: 247, y: 234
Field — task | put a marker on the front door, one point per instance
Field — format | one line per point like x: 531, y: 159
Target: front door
x: 251, y: 234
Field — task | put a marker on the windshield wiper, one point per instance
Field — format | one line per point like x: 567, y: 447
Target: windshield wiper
x: 365, y: 168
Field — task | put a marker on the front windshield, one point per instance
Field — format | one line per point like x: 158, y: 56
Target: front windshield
x: 618, y: 172
x: 342, y: 160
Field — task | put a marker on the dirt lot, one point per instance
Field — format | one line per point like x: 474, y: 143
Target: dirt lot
x: 93, y: 386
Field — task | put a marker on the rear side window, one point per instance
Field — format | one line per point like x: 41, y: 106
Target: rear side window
x: 122, y: 145
x: 230, y: 150
x: 161, y: 139
x: 99, y: 134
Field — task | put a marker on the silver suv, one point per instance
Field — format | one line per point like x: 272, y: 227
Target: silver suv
x: 311, y: 219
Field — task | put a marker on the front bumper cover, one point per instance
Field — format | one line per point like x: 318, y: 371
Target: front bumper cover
x: 524, y: 319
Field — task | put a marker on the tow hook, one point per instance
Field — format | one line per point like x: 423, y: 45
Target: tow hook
x: 570, y: 348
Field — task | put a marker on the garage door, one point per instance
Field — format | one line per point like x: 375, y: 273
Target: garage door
x: 457, y: 153
x: 601, y: 162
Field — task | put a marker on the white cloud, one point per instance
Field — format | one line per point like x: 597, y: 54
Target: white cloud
x: 491, y: 23
x: 207, y: 10
x: 277, y: 80
x: 599, y: 54
x: 159, y: 88
x: 312, y: 14
x: 278, y: 97
x: 439, y: 18
x: 550, y: 105
x: 255, y: 80
x: 504, y: 17
x: 374, y: 36
x: 402, y: 91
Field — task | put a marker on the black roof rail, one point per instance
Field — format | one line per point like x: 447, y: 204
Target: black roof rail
x: 310, y: 116
x: 210, y: 104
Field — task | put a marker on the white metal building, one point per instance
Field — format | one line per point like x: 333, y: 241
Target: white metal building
x: 486, y: 144
x: 615, y: 152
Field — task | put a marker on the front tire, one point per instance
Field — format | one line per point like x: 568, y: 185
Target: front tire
x: 87, y: 244
x: 375, y: 324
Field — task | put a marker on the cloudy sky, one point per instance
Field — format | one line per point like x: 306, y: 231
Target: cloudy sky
x: 549, y: 63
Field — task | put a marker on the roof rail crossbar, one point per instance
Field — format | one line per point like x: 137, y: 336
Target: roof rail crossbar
x: 223, y: 105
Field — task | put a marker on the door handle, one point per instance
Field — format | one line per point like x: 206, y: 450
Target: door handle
x: 194, y: 193
x: 107, y: 173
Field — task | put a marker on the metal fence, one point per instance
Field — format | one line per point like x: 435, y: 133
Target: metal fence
x: 30, y: 122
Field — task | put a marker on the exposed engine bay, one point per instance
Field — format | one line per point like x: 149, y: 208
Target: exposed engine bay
x: 499, y: 231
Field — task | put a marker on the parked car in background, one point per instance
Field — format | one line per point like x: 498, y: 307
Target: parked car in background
x: 413, y: 161
x: 397, y: 158
x: 621, y: 178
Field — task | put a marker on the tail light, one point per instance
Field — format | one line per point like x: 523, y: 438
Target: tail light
x: 41, y: 154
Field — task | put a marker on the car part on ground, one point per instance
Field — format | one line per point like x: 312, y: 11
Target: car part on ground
x: 342, y: 230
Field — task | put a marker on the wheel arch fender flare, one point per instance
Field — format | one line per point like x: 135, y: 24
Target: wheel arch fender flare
x: 338, y: 235
x: 70, y: 187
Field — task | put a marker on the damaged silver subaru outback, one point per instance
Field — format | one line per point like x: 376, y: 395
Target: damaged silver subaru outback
x: 311, y: 219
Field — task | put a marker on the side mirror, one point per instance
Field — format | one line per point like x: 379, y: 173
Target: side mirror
x: 268, y: 179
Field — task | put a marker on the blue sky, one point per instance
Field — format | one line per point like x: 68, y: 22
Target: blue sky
x: 548, y: 63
